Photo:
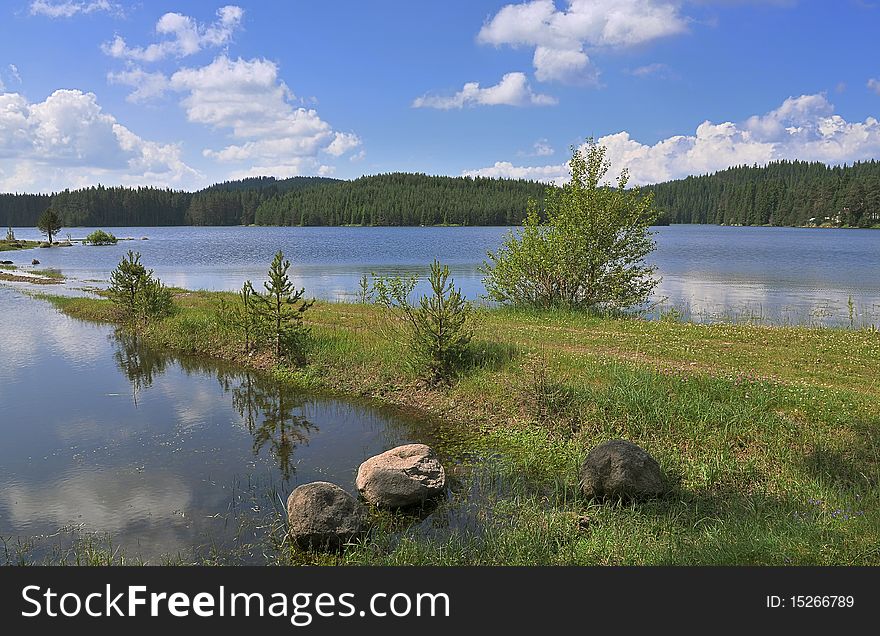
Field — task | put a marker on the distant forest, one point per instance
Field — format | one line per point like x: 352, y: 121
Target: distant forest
x: 781, y: 193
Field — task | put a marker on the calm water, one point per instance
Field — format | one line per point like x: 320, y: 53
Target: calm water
x: 170, y: 456
x: 780, y: 275
x: 173, y: 456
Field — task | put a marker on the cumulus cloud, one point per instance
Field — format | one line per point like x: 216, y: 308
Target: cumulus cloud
x: 69, y: 8
x: 185, y: 36
x: 13, y: 72
x: 146, y: 85
x: 804, y: 127
x: 247, y: 98
x: 67, y: 140
x: 512, y: 90
x: 561, y: 39
x: 874, y: 85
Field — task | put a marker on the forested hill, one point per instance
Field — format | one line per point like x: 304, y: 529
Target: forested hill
x: 780, y: 193
x: 404, y: 199
x: 388, y: 199
x: 228, y: 203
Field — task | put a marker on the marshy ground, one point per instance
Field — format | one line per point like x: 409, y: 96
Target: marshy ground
x: 768, y: 437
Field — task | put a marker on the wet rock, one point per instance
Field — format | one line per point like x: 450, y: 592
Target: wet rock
x: 619, y: 468
x: 401, y: 477
x: 322, y: 516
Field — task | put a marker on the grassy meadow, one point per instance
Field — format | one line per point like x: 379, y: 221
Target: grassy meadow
x: 769, y: 437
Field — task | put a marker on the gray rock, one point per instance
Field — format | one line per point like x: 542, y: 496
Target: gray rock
x: 35, y: 262
x: 322, y: 516
x: 619, y: 468
x: 403, y: 476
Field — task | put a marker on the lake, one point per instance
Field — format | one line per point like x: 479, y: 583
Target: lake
x: 772, y: 275
x: 182, y: 456
x: 168, y: 456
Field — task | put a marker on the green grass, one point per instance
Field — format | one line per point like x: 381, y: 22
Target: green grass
x: 8, y: 246
x: 769, y: 437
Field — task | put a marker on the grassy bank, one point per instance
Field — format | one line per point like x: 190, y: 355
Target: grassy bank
x: 9, y: 246
x: 769, y: 437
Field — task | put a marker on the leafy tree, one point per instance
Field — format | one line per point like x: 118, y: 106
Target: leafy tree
x: 281, y: 308
x: 139, y: 297
x: 49, y: 223
x: 437, y: 331
x: 589, y: 254
x: 100, y: 237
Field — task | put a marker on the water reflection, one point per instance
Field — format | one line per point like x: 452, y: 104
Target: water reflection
x: 269, y: 412
x: 139, y: 364
x: 168, y: 454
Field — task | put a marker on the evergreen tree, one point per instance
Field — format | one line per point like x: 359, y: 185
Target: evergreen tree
x: 282, y: 308
x: 49, y: 224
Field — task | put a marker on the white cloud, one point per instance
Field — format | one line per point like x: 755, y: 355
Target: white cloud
x: 656, y: 69
x: 540, y: 148
x: 13, y: 71
x: 69, y: 9
x: 557, y: 174
x: 512, y: 90
x: 804, y: 128
x: 561, y: 39
x: 874, y: 85
x: 247, y: 98
x: 146, y: 85
x: 187, y: 36
x: 68, y: 141
x: 342, y: 143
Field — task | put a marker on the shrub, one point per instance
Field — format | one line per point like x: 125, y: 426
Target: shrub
x: 438, y: 330
x: 10, y: 234
x: 589, y: 254
x: 139, y: 297
x: 100, y: 237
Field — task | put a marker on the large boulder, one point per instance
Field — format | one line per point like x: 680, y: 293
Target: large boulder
x: 322, y: 516
x: 619, y: 468
x: 401, y: 477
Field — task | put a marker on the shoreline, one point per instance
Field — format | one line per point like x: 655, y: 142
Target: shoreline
x: 545, y: 387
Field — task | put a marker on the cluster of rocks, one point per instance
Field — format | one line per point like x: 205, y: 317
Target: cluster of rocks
x: 322, y: 515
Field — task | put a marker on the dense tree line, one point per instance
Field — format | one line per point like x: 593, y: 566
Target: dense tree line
x: 228, y: 203
x: 781, y: 193
x: 236, y: 202
x: 404, y: 199
x: 22, y: 210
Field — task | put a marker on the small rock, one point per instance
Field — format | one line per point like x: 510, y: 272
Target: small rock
x: 619, y: 468
x: 322, y: 516
x: 5, y: 262
x: 35, y: 262
x: 403, y: 476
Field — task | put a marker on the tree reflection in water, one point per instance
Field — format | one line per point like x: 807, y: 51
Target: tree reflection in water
x: 271, y: 412
x: 268, y: 412
x: 139, y: 364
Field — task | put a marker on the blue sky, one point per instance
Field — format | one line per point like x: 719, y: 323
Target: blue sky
x: 184, y: 94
